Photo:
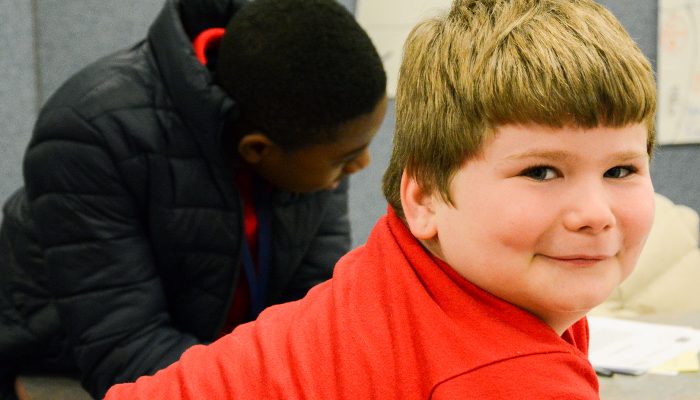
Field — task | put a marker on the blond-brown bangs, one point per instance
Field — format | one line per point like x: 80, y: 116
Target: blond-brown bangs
x: 559, y: 68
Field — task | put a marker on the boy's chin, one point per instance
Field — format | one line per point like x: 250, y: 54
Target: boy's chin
x: 578, y: 307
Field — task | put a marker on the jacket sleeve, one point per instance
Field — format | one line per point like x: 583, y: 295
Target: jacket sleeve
x: 98, y: 258
x: 331, y: 241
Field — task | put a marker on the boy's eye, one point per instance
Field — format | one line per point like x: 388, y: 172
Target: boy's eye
x: 540, y: 173
x: 619, y: 172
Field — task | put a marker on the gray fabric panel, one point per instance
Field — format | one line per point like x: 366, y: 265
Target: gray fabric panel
x: 73, y: 33
x: 349, y: 4
x: 639, y: 18
x: 17, y: 91
x: 367, y: 202
x: 675, y: 171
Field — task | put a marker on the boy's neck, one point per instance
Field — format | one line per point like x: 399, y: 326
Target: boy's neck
x: 561, y: 323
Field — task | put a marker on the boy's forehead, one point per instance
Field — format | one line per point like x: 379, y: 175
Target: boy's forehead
x: 556, y: 142
x: 364, y: 124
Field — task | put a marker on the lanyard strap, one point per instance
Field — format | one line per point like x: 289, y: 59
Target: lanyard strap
x: 258, y: 281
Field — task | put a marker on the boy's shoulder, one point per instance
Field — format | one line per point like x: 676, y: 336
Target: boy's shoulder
x: 123, y: 80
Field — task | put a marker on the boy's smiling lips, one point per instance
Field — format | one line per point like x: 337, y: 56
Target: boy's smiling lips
x: 581, y: 260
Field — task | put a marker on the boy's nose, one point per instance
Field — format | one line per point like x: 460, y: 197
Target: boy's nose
x: 358, y: 163
x: 590, y: 210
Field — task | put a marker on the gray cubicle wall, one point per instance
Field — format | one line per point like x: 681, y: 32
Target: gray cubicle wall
x: 640, y: 19
x: 72, y: 33
x: 17, y: 89
x: 44, y: 41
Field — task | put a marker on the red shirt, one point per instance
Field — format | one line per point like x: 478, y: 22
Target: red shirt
x: 239, y: 309
x: 392, y: 323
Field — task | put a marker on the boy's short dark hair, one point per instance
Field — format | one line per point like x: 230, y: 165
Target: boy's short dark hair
x: 298, y: 69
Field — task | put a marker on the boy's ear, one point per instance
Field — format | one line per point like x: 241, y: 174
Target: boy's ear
x: 254, y: 147
x: 419, y: 208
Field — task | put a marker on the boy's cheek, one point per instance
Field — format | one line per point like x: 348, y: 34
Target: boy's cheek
x: 637, y: 225
x: 642, y: 212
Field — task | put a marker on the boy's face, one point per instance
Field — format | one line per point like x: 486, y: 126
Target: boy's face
x: 323, y: 166
x: 551, y: 220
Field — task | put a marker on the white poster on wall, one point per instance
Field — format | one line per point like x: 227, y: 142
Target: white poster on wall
x: 389, y: 22
x: 678, y: 68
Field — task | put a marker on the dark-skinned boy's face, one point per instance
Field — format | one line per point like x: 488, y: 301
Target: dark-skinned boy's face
x: 323, y: 166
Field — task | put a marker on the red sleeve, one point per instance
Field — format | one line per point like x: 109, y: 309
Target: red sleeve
x: 203, y: 372
x: 541, y: 376
x: 189, y: 378
x: 255, y: 361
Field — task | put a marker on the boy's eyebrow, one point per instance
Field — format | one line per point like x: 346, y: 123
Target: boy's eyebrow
x: 558, y: 155
x: 631, y: 155
x: 550, y: 154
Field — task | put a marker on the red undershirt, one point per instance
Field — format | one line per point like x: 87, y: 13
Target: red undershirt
x: 240, y: 303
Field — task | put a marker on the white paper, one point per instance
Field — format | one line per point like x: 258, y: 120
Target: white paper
x: 678, y: 66
x: 388, y: 23
x: 633, y: 347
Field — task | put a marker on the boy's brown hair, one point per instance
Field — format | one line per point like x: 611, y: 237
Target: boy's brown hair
x: 488, y: 63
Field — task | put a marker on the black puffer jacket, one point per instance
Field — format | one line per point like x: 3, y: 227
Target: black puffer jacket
x: 122, y: 250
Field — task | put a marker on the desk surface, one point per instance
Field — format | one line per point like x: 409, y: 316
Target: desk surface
x: 655, y: 387
x: 651, y: 387
x: 49, y: 387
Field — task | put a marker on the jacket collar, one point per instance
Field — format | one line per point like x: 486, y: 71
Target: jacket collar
x: 203, y: 105
x: 199, y: 15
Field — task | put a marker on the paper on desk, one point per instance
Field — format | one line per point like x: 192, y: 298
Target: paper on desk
x: 684, y: 362
x: 633, y: 347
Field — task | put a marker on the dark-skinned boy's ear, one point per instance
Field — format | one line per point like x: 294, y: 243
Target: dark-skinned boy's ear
x: 254, y: 147
x: 419, y: 208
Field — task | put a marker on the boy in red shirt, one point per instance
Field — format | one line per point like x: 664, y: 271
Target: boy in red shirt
x: 520, y: 196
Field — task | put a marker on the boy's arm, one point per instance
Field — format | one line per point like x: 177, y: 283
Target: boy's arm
x: 200, y: 374
x: 331, y: 241
x: 203, y: 372
x: 233, y: 367
x: 539, y: 376
x: 99, y: 262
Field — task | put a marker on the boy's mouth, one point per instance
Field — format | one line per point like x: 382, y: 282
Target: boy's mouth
x: 582, y: 260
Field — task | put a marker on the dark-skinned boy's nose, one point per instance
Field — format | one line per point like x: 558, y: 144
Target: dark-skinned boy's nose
x: 359, y: 163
